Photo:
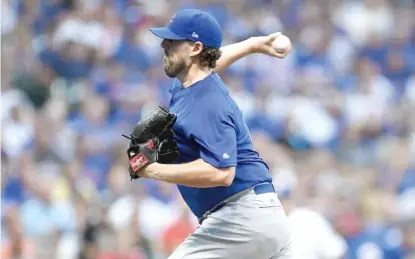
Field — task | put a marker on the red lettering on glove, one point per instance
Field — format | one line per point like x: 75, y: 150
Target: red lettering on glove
x: 150, y: 145
x: 138, y: 161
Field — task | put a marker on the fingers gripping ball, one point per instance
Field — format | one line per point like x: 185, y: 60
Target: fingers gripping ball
x: 281, y: 44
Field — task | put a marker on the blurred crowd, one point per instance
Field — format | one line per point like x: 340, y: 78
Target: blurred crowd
x: 335, y: 121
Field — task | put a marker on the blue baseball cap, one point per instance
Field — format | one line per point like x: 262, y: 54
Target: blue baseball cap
x: 194, y: 25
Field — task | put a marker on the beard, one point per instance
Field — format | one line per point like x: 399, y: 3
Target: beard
x: 173, y: 68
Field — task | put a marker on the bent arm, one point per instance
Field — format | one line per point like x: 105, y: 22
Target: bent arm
x: 194, y: 174
x: 261, y: 44
x: 232, y: 53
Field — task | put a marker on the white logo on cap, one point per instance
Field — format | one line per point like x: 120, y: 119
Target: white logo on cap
x: 172, y: 18
x: 194, y: 35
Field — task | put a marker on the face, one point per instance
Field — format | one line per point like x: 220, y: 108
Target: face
x: 178, y: 55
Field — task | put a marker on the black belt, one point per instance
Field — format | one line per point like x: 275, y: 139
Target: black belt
x: 258, y: 189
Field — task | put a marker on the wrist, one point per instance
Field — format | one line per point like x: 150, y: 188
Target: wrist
x: 251, y: 46
x: 147, y: 171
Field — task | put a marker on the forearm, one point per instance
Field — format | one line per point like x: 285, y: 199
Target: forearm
x: 232, y: 53
x: 261, y: 44
x: 194, y: 174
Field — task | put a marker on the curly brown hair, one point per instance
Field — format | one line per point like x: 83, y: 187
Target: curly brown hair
x: 209, y: 56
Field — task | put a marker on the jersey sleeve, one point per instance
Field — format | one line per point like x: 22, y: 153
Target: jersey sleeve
x: 214, y: 131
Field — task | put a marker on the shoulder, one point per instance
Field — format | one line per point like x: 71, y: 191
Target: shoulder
x: 212, y: 107
x: 214, y: 97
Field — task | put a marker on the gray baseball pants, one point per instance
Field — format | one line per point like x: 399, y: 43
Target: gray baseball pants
x: 254, y: 226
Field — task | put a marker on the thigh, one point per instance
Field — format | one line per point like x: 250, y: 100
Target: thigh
x: 204, y: 245
x: 226, y: 233
x: 248, y: 228
x: 274, y: 239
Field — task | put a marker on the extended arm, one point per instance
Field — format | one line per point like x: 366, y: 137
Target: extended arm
x: 233, y: 52
x: 194, y: 174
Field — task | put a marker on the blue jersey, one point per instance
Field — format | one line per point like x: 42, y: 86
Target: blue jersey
x: 210, y: 126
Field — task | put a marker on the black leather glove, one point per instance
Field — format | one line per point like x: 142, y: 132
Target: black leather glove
x: 157, y: 127
x: 167, y: 150
x: 141, y: 155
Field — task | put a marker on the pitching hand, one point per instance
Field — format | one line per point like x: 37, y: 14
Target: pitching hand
x: 263, y: 44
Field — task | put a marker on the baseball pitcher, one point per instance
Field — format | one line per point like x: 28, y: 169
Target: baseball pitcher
x: 202, y: 144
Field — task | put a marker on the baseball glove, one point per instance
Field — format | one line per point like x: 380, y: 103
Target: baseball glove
x: 151, y: 140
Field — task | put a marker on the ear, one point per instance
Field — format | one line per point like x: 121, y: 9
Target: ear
x: 197, y: 47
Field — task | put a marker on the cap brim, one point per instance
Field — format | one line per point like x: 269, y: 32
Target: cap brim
x: 166, y: 33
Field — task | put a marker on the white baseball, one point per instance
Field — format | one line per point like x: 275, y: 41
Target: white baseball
x: 281, y: 43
